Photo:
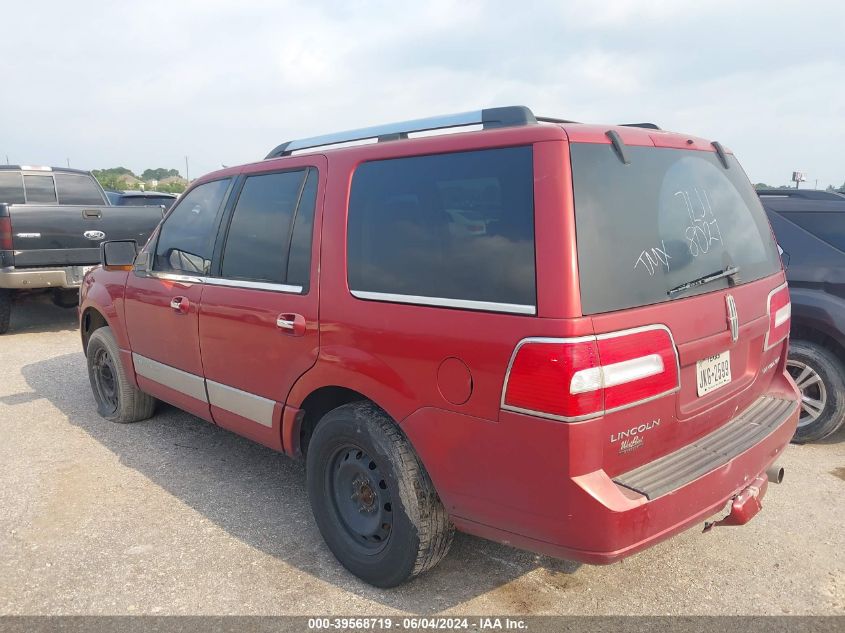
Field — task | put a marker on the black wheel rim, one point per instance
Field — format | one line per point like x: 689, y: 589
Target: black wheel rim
x: 105, y: 380
x: 361, y: 499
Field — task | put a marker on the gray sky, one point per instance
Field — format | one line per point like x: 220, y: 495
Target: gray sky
x: 144, y: 84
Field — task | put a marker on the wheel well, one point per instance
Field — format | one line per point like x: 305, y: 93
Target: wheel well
x: 800, y: 332
x: 91, y: 320
x: 319, y: 403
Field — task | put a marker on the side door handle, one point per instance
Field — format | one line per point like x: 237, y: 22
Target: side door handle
x: 91, y: 213
x: 180, y: 304
x: 291, y: 323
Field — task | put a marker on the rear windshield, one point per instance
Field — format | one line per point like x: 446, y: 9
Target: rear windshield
x: 666, y: 218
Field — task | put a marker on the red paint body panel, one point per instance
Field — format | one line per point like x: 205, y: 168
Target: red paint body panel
x: 522, y: 479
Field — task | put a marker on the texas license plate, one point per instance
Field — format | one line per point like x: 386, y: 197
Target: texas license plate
x: 713, y: 372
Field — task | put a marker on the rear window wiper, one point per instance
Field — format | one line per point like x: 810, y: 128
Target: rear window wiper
x: 706, y: 279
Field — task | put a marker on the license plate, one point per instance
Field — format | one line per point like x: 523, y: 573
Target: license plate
x: 713, y: 372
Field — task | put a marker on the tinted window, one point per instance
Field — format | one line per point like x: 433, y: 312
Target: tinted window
x: 827, y: 226
x: 668, y: 217
x: 145, y: 201
x: 453, y: 226
x: 299, y: 260
x: 259, y: 233
x: 186, y: 239
x: 40, y: 189
x: 11, y: 187
x: 77, y: 189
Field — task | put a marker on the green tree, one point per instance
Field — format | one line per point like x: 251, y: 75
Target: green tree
x: 159, y: 173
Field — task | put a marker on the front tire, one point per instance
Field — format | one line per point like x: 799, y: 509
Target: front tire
x: 117, y: 399
x: 372, y: 499
x: 818, y: 374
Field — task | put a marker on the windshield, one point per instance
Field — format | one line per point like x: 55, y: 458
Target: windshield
x: 667, y: 218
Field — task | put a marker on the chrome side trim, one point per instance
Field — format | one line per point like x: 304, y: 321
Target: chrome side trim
x: 242, y: 403
x: 187, y: 279
x: 254, y: 285
x: 581, y: 339
x: 176, y: 379
x: 442, y: 302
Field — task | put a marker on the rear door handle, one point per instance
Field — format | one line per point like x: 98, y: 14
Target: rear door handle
x: 180, y: 304
x: 92, y: 213
x: 291, y: 323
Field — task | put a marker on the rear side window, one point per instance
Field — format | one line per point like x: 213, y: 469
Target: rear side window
x: 267, y: 228
x: 445, y: 229
x: 78, y: 189
x: 186, y: 239
x: 40, y: 189
x: 668, y: 217
x: 11, y: 187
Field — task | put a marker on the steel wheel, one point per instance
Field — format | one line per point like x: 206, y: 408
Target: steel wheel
x: 360, y: 497
x: 813, y: 391
x: 105, y: 380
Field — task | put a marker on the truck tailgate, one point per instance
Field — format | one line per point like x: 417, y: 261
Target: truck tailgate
x: 54, y: 235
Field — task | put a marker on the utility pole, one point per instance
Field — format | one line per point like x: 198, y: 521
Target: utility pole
x: 187, y: 171
x: 68, y: 162
x: 7, y: 159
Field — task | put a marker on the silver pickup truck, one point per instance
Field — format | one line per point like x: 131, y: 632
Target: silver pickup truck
x: 52, y: 221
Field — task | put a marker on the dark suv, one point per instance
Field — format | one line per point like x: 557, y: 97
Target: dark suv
x: 810, y: 228
x: 570, y: 338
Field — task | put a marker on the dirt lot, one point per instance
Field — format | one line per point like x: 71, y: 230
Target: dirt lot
x: 175, y: 516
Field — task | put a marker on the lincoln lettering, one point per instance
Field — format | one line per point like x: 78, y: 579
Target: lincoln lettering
x: 634, y: 430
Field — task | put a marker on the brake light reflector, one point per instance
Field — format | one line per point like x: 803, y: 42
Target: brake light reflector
x: 5, y: 234
x: 780, y: 316
x: 575, y: 379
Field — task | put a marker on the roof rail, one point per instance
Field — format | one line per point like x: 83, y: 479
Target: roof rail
x: 488, y: 118
x: 649, y: 126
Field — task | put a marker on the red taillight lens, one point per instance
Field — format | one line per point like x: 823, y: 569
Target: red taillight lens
x: 780, y: 316
x: 5, y: 234
x: 586, y: 377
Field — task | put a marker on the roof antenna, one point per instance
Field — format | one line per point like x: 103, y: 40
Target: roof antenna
x: 618, y: 146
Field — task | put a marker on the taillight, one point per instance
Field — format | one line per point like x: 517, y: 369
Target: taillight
x: 576, y: 379
x: 780, y: 316
x: 5, y: 234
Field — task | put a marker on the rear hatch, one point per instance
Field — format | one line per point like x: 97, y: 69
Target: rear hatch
x: 656, y: 236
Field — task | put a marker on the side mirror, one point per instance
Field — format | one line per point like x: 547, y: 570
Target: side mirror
x: 118, y: 254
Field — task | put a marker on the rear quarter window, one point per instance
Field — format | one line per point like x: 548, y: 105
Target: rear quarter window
x: 668, y: 217
x: 78, y: 189
x: 11, y: 187
x: 455, y: 227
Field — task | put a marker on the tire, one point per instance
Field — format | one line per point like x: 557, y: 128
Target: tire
x: 5, y: 310
x: 373, y: 501
x: 66, y: 298
x: 117, y: 399
x: 818, y: 373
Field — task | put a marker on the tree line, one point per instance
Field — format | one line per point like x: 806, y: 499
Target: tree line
x: 123, y: 179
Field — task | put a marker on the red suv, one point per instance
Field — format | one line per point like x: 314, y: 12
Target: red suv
x: 569, y: 338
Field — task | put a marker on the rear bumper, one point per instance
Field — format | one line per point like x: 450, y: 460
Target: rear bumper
x: 31, y: 278
x: 534, y: 505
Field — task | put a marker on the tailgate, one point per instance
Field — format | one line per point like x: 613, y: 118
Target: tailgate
x: 59, y: 235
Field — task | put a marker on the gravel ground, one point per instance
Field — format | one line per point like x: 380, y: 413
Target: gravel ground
x: 175, y: 516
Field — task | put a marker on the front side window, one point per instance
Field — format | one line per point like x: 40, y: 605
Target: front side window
x: 78, y: 189
x: 186, y: 238
x: 11, y: 187
x: 269, y: 238
x: 40, y: 189
x: 446, y: 227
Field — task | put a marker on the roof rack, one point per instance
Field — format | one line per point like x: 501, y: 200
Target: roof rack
x: 488, y: 118
x: 649, y: 126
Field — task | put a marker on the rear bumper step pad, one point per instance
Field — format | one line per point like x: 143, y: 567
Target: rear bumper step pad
x: 709, y: 452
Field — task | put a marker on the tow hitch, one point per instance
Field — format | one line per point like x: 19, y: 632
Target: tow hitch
x: 747, y: 503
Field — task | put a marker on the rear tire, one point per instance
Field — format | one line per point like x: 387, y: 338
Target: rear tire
x: 117, y: 399
x: 818, y: 373
x: 372, y: 499
x: 5, y: 310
